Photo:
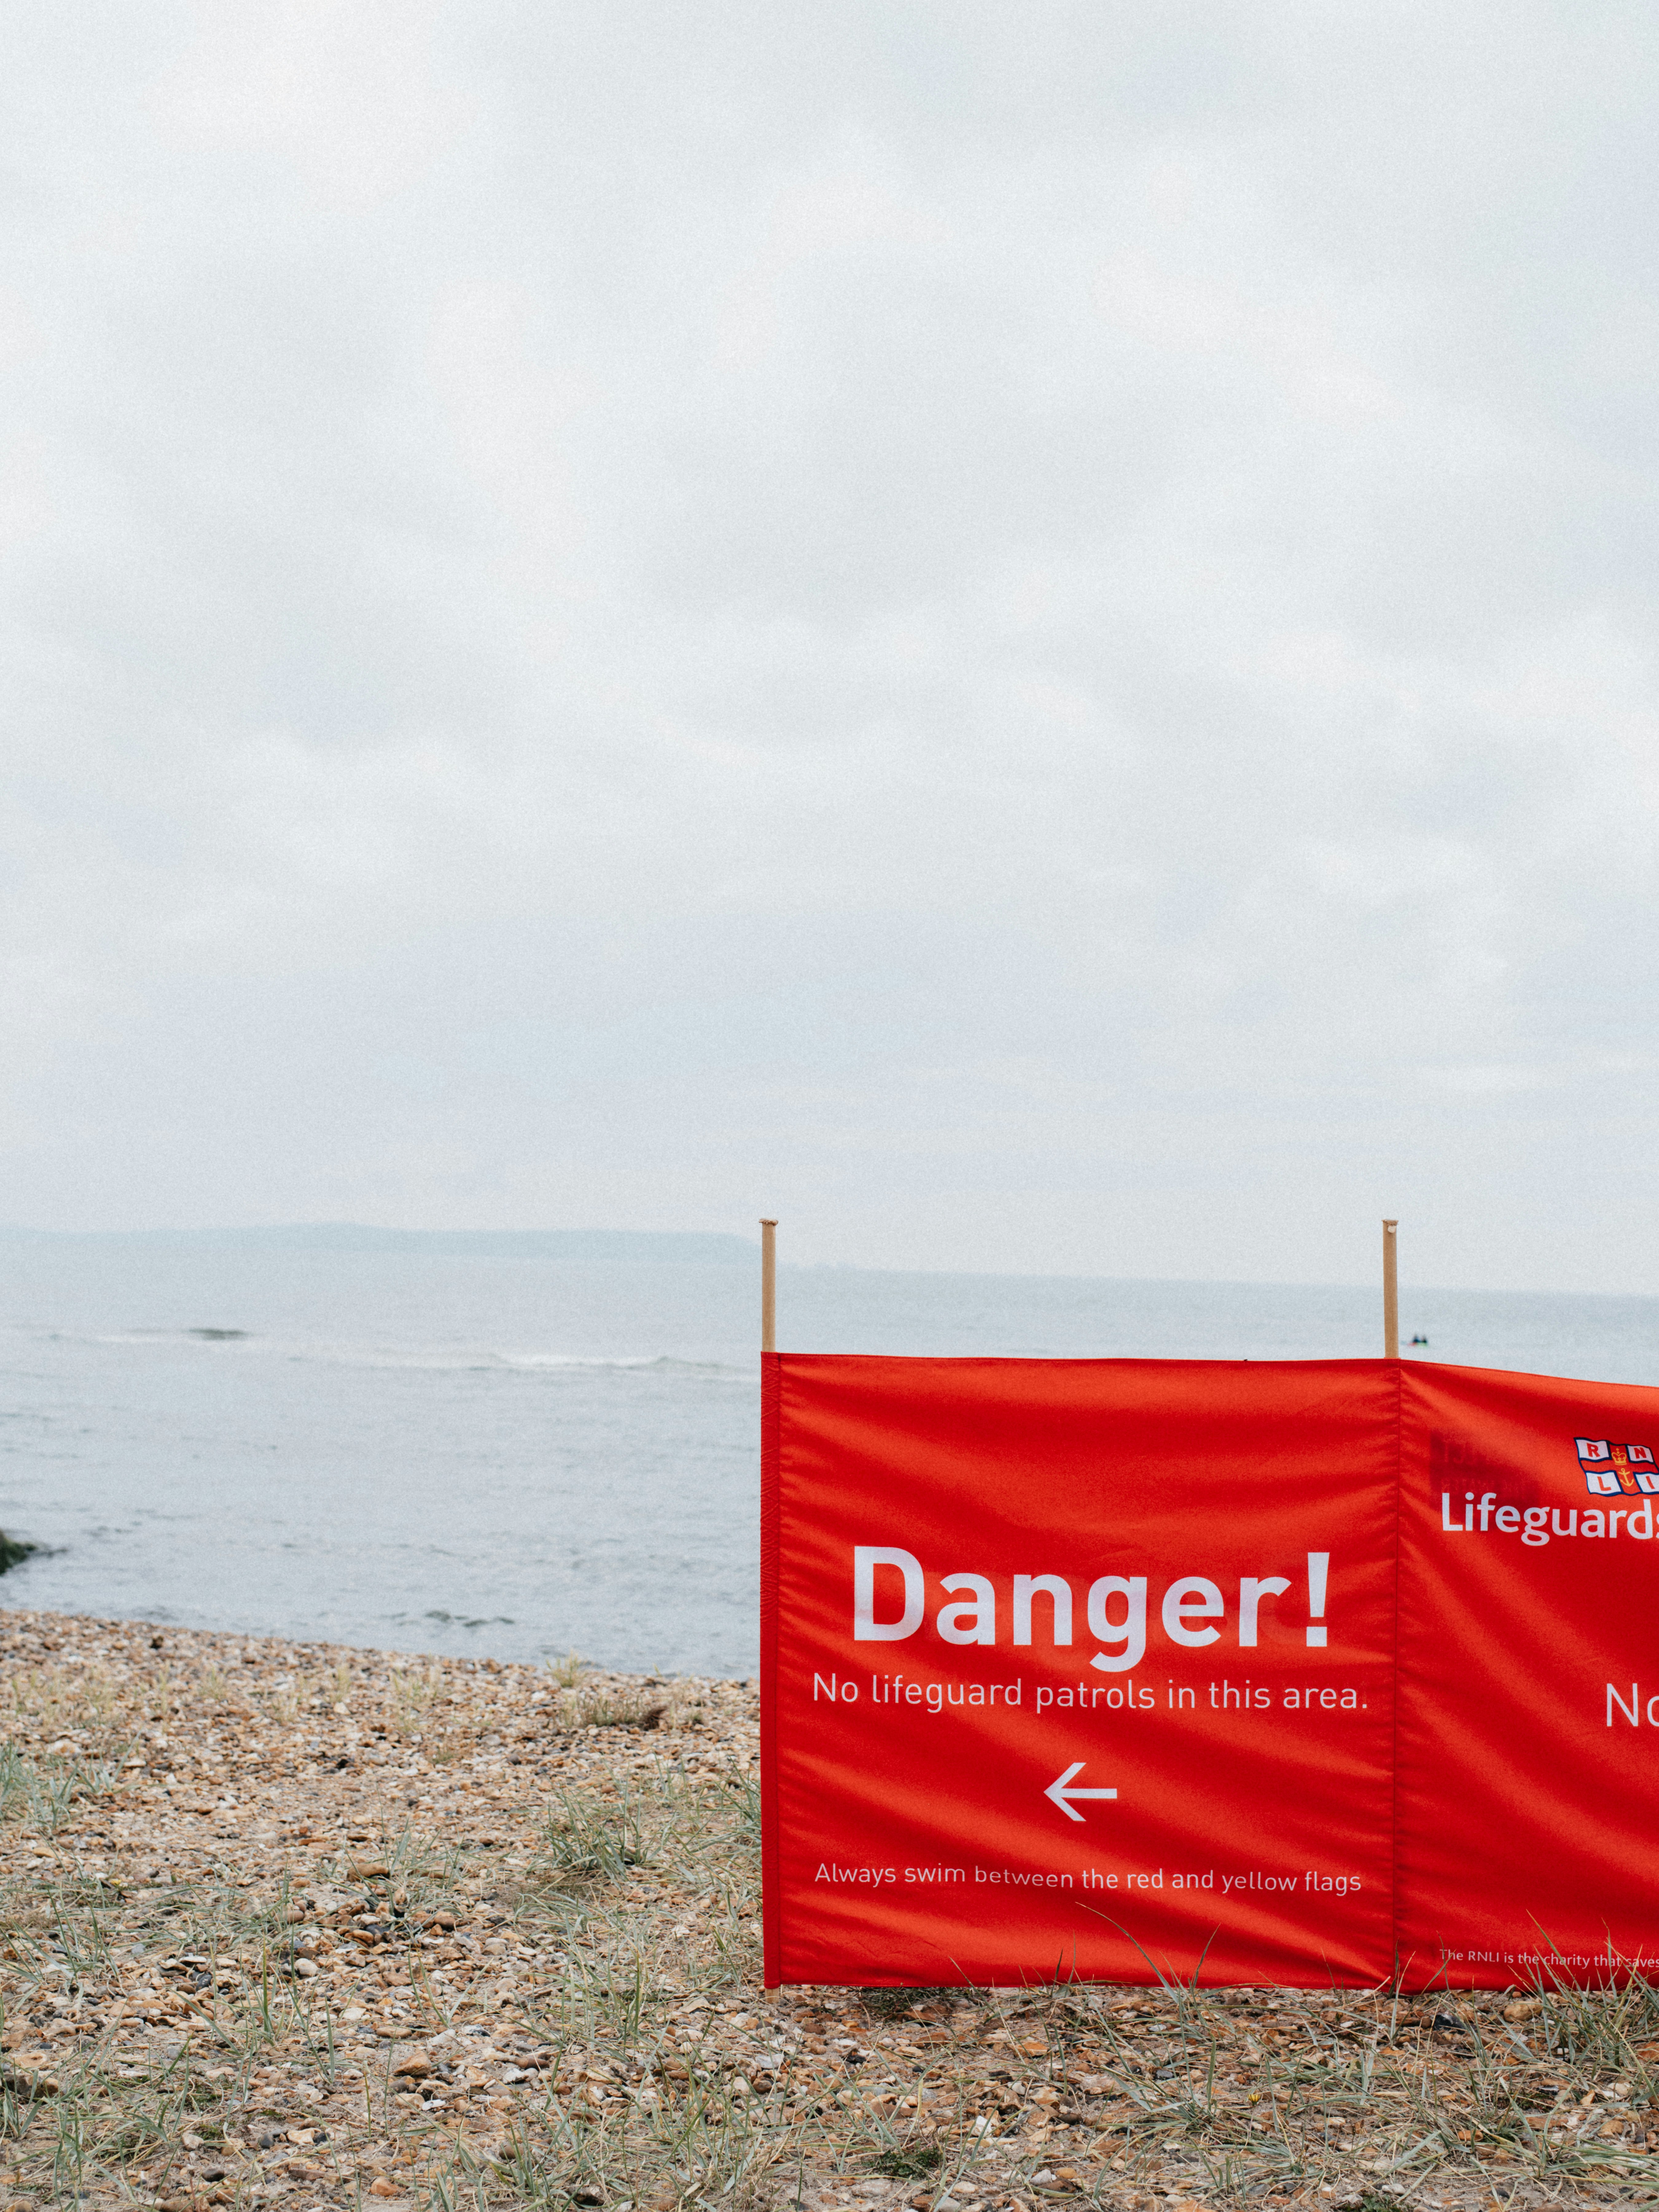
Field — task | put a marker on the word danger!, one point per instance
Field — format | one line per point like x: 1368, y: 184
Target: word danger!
x: 895, y: 1606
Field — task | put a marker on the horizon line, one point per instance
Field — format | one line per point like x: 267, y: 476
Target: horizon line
x: 731, y: 1244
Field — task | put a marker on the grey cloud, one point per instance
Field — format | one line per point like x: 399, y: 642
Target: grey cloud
x: 1026, y: 636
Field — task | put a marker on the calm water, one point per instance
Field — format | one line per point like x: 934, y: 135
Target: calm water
x: 434, y: 1450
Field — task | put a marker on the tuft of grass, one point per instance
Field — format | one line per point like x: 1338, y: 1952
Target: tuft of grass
x: 597, y: 1706
x: 896, y: 2003
x: 907, y: 2161
x: 588, y: 1840
x: 748, y: 1794
x: 42, y: 1792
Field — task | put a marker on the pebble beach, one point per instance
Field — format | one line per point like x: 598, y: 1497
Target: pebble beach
x: 313, y: 1926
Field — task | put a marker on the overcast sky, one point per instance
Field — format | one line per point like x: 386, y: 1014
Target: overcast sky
x: 1024, y: 635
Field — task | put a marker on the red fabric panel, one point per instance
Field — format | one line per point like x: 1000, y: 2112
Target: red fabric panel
x: 907, y: 1844
x: 1528, y: 1794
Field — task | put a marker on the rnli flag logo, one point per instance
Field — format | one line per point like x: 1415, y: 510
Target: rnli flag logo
x: 1618, y: 1470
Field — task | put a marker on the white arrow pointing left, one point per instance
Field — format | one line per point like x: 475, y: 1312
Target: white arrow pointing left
x: 1059, y: 1791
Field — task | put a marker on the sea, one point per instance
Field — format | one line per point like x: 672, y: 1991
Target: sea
x: 518, y: 1447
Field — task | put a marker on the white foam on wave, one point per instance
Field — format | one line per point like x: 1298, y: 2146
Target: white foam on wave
x: 662, y: 1362
x: 476, y: 1360
x: 460, y: 1359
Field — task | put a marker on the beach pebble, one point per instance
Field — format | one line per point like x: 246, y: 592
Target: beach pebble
x: 29, y: 2079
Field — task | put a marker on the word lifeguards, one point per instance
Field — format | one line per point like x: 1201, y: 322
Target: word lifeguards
x: 1114, y: 1606
x: 1536, y: 1525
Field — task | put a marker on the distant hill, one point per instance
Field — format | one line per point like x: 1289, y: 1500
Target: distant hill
x: 702, y: 1247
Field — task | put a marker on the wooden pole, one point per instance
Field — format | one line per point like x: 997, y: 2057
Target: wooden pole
x: 1390, y: 1291
x: 768, y: 1285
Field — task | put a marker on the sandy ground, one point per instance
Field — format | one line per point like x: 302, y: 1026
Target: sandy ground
x: 312, y: 1926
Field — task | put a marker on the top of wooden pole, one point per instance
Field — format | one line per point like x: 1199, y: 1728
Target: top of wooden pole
x: 1390, y: 1290
x: 768, y: 1284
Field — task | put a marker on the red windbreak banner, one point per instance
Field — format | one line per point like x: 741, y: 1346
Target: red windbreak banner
x: 1267, y: 1673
